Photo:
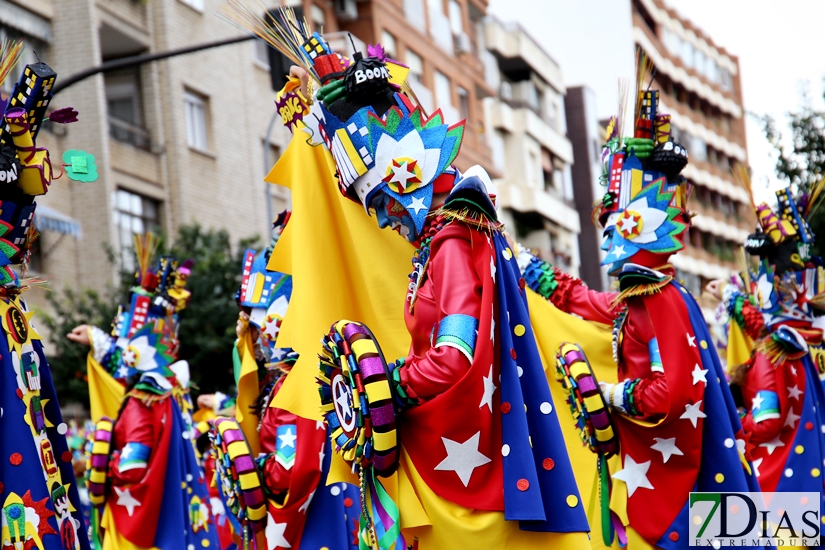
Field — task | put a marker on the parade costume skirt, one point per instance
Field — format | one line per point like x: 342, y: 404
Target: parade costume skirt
x: 440, y: 524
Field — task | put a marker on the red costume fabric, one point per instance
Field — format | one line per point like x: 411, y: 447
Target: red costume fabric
x: 772, y: 437
x: 455, y: 407
x: 294, y: 486
x: 664, y: 413
x: 144, y: 424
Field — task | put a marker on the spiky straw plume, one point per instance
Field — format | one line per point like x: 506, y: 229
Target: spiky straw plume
x: 644, y: 74
x: 279, y: 27
x: 815, y: 198
x: 743, y: 177
x: 145, y: 248
x: 10, y: 52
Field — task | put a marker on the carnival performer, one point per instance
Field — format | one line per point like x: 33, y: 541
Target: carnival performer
x: 39, y: 504
x: 676, y: 425
x: 778, y: 387
x: 143, y: 476
x: 292, y: 454
x: 464, y: 411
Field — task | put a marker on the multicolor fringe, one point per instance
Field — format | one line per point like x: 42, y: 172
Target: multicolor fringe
x: 540, y: 276
x: 472, y: 217
x: 644, y: 289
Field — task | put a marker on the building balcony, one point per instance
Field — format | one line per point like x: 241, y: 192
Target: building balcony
x: 517, y: 52
x: 520, y: 119
x: 134, y: 13
x: 548, y: 205
x: 674, y: 70
x: 726, y: 140
x: 134, y: 161
x: 125, y: 132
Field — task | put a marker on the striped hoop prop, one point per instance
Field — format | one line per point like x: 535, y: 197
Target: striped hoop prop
x: 239, y: 480
x: 585, y: 399
x: 356, y: 398
x: 98, y: 447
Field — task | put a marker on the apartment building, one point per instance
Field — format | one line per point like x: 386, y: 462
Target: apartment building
x: 701, y: 89
x: 586, y: 136
x: 526, y: 131
x: 189, y: 139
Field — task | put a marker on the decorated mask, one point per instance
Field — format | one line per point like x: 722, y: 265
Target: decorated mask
x: 790, y: 282
x: 644, y: 210
x: 381, y: 142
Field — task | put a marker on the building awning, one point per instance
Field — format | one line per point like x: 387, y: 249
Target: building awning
x: 48, y: 219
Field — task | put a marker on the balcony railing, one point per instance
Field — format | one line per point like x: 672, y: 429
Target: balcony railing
x: 129, y: 133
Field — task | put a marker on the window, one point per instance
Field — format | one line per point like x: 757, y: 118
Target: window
x: 464, y: 103
x: 416, y: 65
x: 196, y: 131
x: 414, y: 14
x: 30, y: 45
x: 388, y: 41
x: 456, y: 17
x: 443, y: 93
x: 123, y: 102
x: 260, y: 53
x: 134, y: 215
x: 319, y: 17
x: 197, y: 4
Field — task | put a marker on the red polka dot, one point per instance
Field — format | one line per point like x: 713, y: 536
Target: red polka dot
x: 2, y: 487
x: 19, y: 393
x: 809, y: 425
x: 505, y: 407
x: 674, y: 536
x: 66, y: 456
x: 348, y: 502
x: 200, y: 480
x: 548, y: 463
x: 523, y: 484
x: 16, y: 459
x: 513, y: 353
x: 521, y: 283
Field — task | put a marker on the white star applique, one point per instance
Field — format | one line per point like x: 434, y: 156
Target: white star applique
x: 693, y: 413
x: 493, y: 324
x: 634, y: 475
x: 628, y: 224
x: 305, y: 506
x: 493, y: 268
x: 127, y: 452
x: 772, y: 444
x: 288, y: 439
x: 756, y: 402
x: 401, y: 174
x: 699, y: 375
x: 343, y: 402
x: 278, y: 353
x: 125, y: 499
x: 618, y: 250
x: 756, y: 464
x: 794, y: 392
x: 275, y: 534
x: 489, y: 390
x: 667, y: 447
x: 791, y: 420
x: 321, y: 457
x: 320, y: 425
x: 793, y: 370
x: 417, y: 204
x: 462, y: 458
x: 123, y: 372
x: 691, y: 340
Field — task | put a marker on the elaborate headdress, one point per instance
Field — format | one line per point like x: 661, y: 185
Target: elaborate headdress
x: 790, y: 281
x: 146, y: 330
x: 264, y: 295
x: 363, y: 113
x: 25, y: 169
x: 644, y: 208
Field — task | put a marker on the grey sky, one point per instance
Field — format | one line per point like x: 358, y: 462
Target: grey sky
x: 780, y: 46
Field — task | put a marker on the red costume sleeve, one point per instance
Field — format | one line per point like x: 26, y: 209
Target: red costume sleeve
x: 573, y: 296
x: 754, y: 321
x: 651, y: 396
x: 278, y: 478
x: 642, y: 360
x: 765, y: 377
x: 135, y: 425
x: 456, y: 291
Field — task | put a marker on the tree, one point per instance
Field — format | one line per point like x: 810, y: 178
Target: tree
x: 207, y: 325
x: 804, y: 163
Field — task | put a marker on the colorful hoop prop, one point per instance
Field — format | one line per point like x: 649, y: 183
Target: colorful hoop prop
x: 97, y: 460
x: 357, y: 399
x: 239, y: 480
x: 585, y: 399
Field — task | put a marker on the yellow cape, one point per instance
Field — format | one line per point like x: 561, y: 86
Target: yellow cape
x: 345, y: 267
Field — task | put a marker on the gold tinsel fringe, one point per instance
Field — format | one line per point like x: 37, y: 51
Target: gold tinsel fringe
x: 473, y: 218
x: 646, y: 289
